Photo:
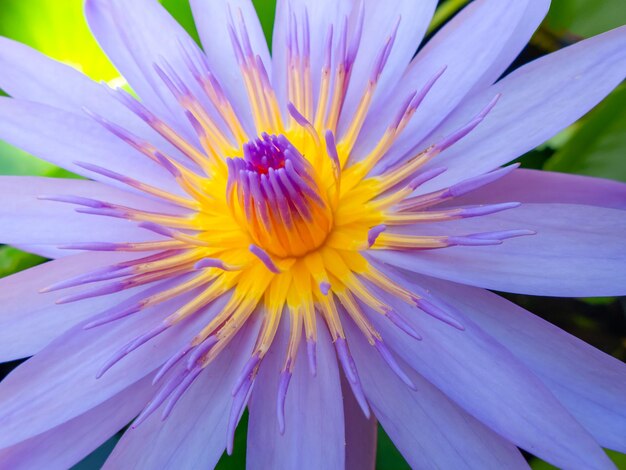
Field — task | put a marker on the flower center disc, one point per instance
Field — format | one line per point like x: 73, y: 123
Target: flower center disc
x: 275, y: 193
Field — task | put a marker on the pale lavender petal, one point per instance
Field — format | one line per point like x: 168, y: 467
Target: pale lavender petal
x: 361, y: 432
x: 29, y: 75
x: 212, y: 19
x: 538, y: 100
x: 546, y: 186
x: 137, y: 36
x: 467, y: 46
x: 429, y: 429
x: 30, y: 319
x: 577, y: 251
x: 588, y: 382
x: 314, y: 425
x: 379, y: 22
x: 46, y: 251
x: 491, y: 384
x: 64, y: 138
x: 103, y: 24
x: 531, y: 19
x: 322, y: 14
x: 64, y: 372
x: 65, y: 445
x: 25, y: 218
x: 194, y: 435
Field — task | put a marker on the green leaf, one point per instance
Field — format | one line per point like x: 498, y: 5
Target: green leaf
x: 387, y: 456
x: 599, y: 300
x: 618, y: 459
x: 586, y: 17
x: 537, y: 464
x: 266, y: 9
x: 597, y: 147
x: 181, y: 11
x: 238, y: 459
x: 13, y: 260
x: 14, y: 161
x: 445, y: 11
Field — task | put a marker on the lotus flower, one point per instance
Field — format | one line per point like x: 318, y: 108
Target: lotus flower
x: 308, y: 235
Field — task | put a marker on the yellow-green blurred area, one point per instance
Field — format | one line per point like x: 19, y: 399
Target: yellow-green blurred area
x: 596, y: 145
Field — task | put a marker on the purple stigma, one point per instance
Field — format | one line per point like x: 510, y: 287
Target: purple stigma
x: 311, y: 350
x: 264, y: 257
x: 325, y: 287
x: 283, y: 386
x: 374, y: 233
x: 402, y: 324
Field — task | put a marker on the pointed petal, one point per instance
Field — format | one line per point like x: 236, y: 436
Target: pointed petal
x: 429, y: 429
x: 46, y: 251
x: 136, y: 36
x: 578, y: 251
x: 538, y: 100
x: 26, y: 219
x: 102, y: 19
x: 60, y: 382
x: 30, y: 320
x: 194, y: 435
x: 29, y: 75
x: 379, y: 23
x: 212, y: 20
x: 322, y: 14
x: 587, y: 381
x: 531, y: 19
x: 67, y: 444
x: 65, y: 138
x: 545, y: 186
x: 314, y: 426
x: 478, y: 373
x: 361, y: 432
x: 468, y: 46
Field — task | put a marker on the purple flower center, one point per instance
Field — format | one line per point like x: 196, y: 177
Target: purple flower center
x: 274, y: 191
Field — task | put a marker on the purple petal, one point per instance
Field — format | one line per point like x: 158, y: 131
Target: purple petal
x: 476, y: 38
x: 102, y: 22
x: 379, y: 22
x: 64, y: 372
x: 322, y: 14
x: 27, y: 219
x: 361, y: 432
x: 538, y: 100
x: 137, y: 36
x: 46, y: 251
x: 545, y: 186
x: 30, y: 75
x: 429, y: 429
x: 588, y: 382
x: 533, y: 15
x: 577, y: 251
x: 212, y: 20
x: 194, y: 435
x: 65, y: 445
x: 30, y: 320
x: 489, y: 382
x: 64, y: 138
x: 314, y: 425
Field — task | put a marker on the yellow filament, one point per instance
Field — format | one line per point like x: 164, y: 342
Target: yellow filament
x: 383, y: 282
x: 347, y: 143
x: 401, y: 218
x: 394, y: 240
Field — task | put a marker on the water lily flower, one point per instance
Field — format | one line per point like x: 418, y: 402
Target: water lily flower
x: 309, y: 235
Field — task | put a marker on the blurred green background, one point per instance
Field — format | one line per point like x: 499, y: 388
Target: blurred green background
x: 596, y: 145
